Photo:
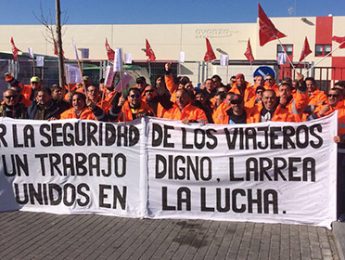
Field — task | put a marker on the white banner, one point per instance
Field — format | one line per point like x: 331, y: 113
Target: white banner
x: 70, y: 166
x: 270, y: 172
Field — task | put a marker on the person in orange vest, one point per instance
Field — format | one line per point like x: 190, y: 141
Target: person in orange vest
x: 28, y: 91
x: 271, y: 110
x: 174, y: 84
x: 243, y: 88
x: 335, y: 102
x: 270, y: 83
x: 8, y: 77
x: 131, y: 109
x: 317, y: 98
x: 219, y: 114
x: 294, y: 102
x: 235, y: 113
x: 80, y: 110
x: 94, y: 96
x: 258, y: 81
x: 156, y: 99
x: 184, y: 110
x: 341, y: 86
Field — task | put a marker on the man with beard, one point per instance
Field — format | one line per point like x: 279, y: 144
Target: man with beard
x: 11, y: 107
x: 133, y: 107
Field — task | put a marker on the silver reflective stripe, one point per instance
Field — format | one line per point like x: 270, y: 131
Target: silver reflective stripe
x: 294, y: 109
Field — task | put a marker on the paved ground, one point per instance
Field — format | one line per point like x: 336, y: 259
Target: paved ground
x: 25, y: 235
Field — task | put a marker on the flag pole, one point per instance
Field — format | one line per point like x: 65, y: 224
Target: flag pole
x: 287, y: 56
x: 323, y: 58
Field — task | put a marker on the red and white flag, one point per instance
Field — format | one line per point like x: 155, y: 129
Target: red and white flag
x: 306, y: 50
x: 249, y: 53
x: 267, y: 31
x: 149, y: 52
x: 209, y: 55
x: 110, y: 51
x: 340, y: 40
x: 15, y: 50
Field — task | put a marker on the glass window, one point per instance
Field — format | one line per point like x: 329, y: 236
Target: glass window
x: 288, y: 48
x: 322, y: 49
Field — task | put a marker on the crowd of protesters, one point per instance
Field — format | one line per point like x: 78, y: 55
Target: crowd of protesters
x: 172, y: 97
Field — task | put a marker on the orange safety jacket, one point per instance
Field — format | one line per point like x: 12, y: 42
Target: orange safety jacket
x: 85, y: 114
x: 281, y: 114
x: 126, y: 112
x: 317, y: 99
x: 249, y: 93
x: 297, y: 105
x: 189, y: 112
x: 275, y: 88
x: 26, y: 92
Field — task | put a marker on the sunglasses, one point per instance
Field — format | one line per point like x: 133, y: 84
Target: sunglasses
x: 331, y: 95
x: 9, y: 97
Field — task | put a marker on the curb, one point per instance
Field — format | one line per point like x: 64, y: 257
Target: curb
x: 338, y: 230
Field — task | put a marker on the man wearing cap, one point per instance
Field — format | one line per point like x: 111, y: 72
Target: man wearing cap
x: 11, y: 107
x: 12, y: 81
x: 243, y: 88
x: 28, y: 91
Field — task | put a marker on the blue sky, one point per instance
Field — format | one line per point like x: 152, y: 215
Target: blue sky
x: 155, y: 11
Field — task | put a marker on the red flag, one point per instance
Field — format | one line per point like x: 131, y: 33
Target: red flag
x: 306, y: 50
x: 149, y: 52
x: 340, y: 40
x: 110, y: 51
x: 248, y: 53
x: 15, y: 50
x: 209, y: 55
x: 267, y: 31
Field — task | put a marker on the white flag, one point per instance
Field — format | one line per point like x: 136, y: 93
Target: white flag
x: 182, y: 57
x: 31, y: 53
x: 75, y: 51
x: 73, y: 74
x: 123, y: 82
x: 109, y: 76
x: 39, y: 61
x: 224, y: 60
x: 118, y: 60
x: 281, y: 58
x: 128, y: 58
